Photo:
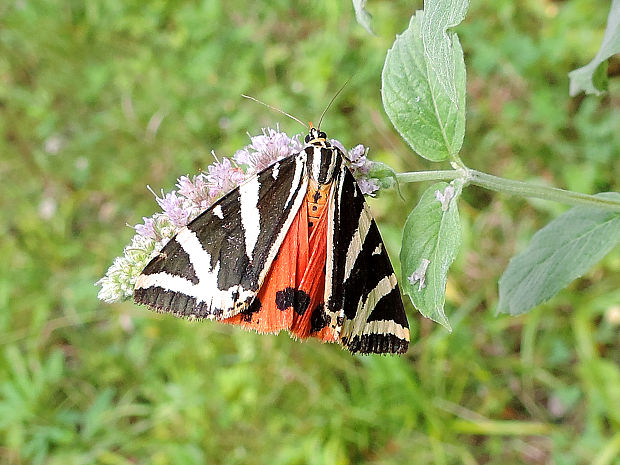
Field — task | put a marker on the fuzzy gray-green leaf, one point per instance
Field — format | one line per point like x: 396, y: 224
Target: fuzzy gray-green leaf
x: 559, y: 253
x: 415, y: 97
x: 439, y: 16
x: 431, y: 240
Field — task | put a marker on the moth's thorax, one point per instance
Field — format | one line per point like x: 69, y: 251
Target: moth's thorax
x: 324, y: 161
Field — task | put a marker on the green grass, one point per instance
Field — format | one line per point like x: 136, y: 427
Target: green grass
x: 99, y: 99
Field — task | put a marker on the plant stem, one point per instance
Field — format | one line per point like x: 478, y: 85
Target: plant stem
x: 508, y: 186
x: 419, y: 176
x: 525, y: 189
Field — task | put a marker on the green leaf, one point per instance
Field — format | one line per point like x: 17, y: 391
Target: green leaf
x: 431, y: 240
x: 414, y: 94
x: 559, y: 253
x: 592, y: 78
x: 438, y: 17
x: 362, y: 15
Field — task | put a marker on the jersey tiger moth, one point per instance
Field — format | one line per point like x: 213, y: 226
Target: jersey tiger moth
x: 294, y: 248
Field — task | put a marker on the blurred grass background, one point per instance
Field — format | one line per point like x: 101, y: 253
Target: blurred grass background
x: 100, y: 98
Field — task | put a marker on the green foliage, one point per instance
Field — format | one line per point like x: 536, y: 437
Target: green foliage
x: 442, y: 51
x: 426, y: 60
x: 86, y: 383
x: 425, y: 100
x: 592, y: 78
x: 431, y: 240
x: 559, y: 253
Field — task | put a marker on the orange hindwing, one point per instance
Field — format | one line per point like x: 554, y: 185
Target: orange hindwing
x: 292, y: 295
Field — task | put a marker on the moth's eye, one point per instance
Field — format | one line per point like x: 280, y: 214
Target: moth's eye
x: 322, y: 135
x: 307, y: 139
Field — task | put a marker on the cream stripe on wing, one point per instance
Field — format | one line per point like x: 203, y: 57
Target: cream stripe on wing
x: 383, y: 288
x: 300, y: 162
x: 316, y: 163
x: 217, y: 211
x: 250, y: 215
x: 357, y: 325
x: 382, y: 327
x: 207, y: 289
x: 357, y: 241
x: 168, y: 282
x: 198, y: 257
x: 333, y: 207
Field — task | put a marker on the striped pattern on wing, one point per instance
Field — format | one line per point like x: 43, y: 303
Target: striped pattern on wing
x: 215, y: 265
x: 363, y: 295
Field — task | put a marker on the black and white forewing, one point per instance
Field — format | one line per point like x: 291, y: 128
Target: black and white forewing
x: 362, y: 292
x: 215, y: 265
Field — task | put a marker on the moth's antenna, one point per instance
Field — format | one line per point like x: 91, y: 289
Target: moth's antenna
x: 276, y: 109
x: 332, y: 101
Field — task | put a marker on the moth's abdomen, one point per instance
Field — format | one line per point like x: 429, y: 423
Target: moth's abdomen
x: 316, y: 199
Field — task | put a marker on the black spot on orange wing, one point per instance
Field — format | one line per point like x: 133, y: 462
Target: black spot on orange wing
x: 290, y: 297
x: 319, y: 319
x: 255, y: 306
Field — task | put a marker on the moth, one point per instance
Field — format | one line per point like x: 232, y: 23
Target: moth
x: 294, y: 248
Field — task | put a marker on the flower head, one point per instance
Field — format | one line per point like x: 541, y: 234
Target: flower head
x: 174, y: 208
x: 267, y: 148
x: 357, y: 156
x: 147, y: 229
x: 368, y: 186
x: 196, y: 190
x: 223, y: 177
x: 360, y: 167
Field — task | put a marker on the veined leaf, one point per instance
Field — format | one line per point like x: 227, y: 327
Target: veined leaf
x: 592, y: 78
x: 414, y: 94
x: 438, y: 17
x: 559, y: 253
x: 431, y: 240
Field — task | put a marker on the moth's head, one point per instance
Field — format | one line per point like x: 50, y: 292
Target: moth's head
x: 315, y: 136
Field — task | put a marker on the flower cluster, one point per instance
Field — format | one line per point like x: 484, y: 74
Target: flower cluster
x: 267, y: 148
x: 360, y: 167
x: 196, y: 194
